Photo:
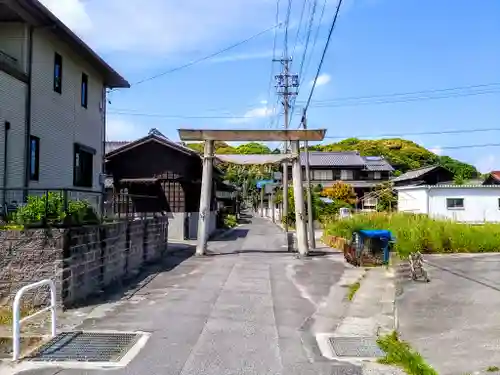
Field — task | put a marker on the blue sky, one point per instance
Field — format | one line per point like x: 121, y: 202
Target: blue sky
x: 378, y: 47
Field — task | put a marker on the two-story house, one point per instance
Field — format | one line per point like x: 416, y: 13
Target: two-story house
x: 52, y: 104
x: 363, y: 173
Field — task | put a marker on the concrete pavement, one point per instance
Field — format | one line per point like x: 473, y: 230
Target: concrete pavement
x: 249, y: 307
x: 454, y: 320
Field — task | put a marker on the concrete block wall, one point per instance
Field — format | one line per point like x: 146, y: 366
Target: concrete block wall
x: 82, y: 261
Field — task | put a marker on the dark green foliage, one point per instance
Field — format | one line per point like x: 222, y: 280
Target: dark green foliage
x: 402, y: 154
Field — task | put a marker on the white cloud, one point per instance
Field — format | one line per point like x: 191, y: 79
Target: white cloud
x: 488, y: 163
x: 323, y: 79
x: 256, y: 113
x: 436, y: 150
x: 118, y: 129
x: 159, y: 27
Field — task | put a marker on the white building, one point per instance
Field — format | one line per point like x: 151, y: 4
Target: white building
x: 52, y: 103
x: 462, y: 203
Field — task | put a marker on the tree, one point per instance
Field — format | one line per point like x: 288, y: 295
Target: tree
x: 402, y: 154
x: 340, y: 191
x: 386, y: 198
x: 252, y: 148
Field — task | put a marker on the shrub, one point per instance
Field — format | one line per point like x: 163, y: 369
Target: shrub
x: 419, y: 232
x: 49, y: 209
x: 230, y: 221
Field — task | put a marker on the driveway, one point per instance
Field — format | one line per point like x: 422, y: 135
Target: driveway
x: 454, y: 321
x: 243, y: 309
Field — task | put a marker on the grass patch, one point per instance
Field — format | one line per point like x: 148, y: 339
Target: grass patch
x: 11, y: 227
x: 493, y: 369
x: 353, y: 288
x: 399, y: 353
x: 415, y: 232
x: 6, y: 314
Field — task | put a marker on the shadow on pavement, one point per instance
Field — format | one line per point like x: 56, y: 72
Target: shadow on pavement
x: 233, y: 236
x: 127, y: 288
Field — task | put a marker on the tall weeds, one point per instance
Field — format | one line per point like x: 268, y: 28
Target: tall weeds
x: 419, y: 232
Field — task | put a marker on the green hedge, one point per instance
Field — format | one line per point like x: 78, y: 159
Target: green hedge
x: 49, y: 209
x: 419, y: 232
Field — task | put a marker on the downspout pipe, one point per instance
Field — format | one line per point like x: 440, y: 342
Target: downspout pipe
x: 28, y: 114
x: 5, y: 164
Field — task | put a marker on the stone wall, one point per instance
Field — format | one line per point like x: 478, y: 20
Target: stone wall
x: 82, y: 261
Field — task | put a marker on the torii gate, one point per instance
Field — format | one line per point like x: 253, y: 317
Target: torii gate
x: 292, y: 136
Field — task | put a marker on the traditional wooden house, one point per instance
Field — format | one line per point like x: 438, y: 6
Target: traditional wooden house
x: 432, y: 175
x: 160, y: 175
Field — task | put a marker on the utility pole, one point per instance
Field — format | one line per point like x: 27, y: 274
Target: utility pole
x: 286, y: 85
x: 310, y: 216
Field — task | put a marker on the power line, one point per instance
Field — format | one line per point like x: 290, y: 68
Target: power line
x: 331, y: 103
x: 431, y: 91
x: 205, y: 57
x: 287, y: 23
x: 323, y: 55
x: 299, y: 26
x: 176, y: 116
x: 470, y: 146
x: 390, y: 135
x: 405, y: 100
x: 315, y: 40
x: 272, y: 61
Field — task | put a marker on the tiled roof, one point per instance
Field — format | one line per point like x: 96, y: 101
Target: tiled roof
x: 377, y: 164
x: 495, y: 175
x: 113, y: 145
x: 415, y: 173
x: 328, y: 159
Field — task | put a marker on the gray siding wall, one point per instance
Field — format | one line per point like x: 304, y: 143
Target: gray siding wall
x: 12, y: 109
x: 59, y: 120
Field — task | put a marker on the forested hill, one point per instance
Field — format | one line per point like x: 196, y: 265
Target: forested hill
x: 402, y: 154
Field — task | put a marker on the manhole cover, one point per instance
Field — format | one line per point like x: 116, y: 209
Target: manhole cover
x: 362, y: 347
x: 86, y: 347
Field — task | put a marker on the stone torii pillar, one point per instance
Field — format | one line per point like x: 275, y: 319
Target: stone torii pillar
x: 298, y: 194
x: 205, y: 197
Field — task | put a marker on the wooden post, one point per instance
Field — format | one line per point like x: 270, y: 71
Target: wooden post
x: 298, y: 193
x: 205, y: 198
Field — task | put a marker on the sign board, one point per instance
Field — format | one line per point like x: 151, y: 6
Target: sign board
x: 269, y: 188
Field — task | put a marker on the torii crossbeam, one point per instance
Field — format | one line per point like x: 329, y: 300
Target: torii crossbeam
x: 292, y: 136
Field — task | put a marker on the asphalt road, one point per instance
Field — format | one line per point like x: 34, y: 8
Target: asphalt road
x: 454, y: 321
x: 244, y: 309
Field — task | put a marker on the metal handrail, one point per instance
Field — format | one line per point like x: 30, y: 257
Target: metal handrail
x: 16, y: 314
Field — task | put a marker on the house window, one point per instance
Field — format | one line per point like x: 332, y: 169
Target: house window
x: 34, y: 158
x: 322, y: 175
x: 377, y: 175
x: 58, y: 72
x: 454, y: 203
x: 346, y: 174
x: 85, y: 90
x: 83, y: 166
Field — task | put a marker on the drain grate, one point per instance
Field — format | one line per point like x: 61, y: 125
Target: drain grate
x: 361, y: 347
x: 86, y: 347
